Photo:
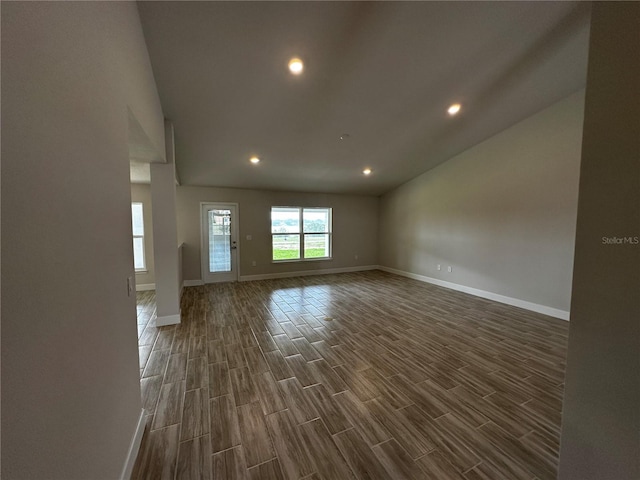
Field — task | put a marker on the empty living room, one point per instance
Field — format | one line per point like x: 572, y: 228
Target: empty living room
x: 320, y: 240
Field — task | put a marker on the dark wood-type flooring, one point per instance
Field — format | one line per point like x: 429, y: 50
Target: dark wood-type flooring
x: 361, y: 375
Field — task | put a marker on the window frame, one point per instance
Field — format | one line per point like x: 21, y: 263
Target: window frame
x: 144, y: 250
x: 302, y: 234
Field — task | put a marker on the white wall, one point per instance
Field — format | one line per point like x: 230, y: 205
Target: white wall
x: 502, y: 214
x: 355, y: 224
x: 165, y: 235
x: 142, y: 193
x: 601, y: 411
x: 71, y: 394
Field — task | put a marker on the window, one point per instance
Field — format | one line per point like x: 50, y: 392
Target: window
x: 300, y: 233
x: 137, y: 220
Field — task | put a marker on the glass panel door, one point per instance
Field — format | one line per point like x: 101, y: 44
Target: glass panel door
x: 219, y: 242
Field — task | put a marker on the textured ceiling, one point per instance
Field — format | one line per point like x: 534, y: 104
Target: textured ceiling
x: 383, y: 72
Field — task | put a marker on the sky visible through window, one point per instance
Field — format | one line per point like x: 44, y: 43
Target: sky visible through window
x: 287, y: 220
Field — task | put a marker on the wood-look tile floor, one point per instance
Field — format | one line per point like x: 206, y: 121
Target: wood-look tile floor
x: 360, y: 375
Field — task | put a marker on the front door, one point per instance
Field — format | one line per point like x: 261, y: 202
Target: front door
x: 219, y: 242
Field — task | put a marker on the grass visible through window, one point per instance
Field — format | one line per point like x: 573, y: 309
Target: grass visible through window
x: 286, y: 254
x: 295, y: 254
x: 314, y: 253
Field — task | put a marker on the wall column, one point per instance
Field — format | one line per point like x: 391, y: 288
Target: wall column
x: 601, y: 412
x: 165, y: 234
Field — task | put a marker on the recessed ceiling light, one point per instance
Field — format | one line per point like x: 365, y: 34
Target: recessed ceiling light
x: 296, y: 66
x: 453, y: 109
x: 254, y: 160
x: 367, y: 171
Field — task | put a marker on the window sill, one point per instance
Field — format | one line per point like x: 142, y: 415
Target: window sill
x: 302, y: 260
x: 142, y: 271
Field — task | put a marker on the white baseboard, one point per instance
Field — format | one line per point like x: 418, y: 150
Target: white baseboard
x: 534, y: 307
x: 145, y: 286
x: 167, y: 320
x: 306, y: 273
x: 192, y: 283
x: 134, y: 448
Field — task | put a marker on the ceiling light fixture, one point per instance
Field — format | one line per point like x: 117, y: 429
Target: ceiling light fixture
x: 367, y: 171
x: 254, y: 160
x: 453, y: 109
x: 344, y: 136
x: 296, y: 66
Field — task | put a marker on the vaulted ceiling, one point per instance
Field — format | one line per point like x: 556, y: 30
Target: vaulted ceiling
x: 382, y: 72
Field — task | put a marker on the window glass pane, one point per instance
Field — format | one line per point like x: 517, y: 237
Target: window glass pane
x: 316, y: 220
x: 285, y: 220
x: 137, y: 219
x: 219, y: 241
x: 316, y: 246
x: 286, y: 247
x: 138, y: 253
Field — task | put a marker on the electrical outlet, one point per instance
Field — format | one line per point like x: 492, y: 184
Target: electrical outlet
x: 249, y: 238
x: 355, y: 256
x: 438, y: 266
x: 449, y: 269
x: 253, y: 264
